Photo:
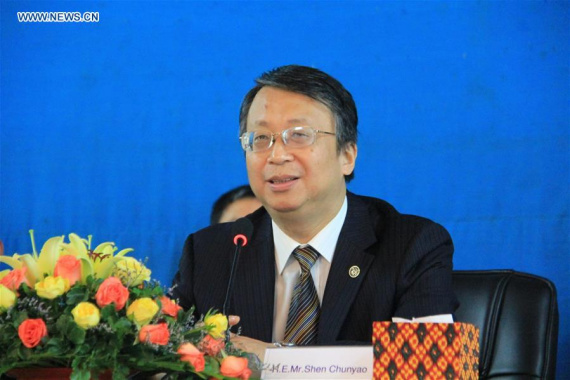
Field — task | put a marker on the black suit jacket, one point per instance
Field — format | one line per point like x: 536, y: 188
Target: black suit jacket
x: 405, y: 266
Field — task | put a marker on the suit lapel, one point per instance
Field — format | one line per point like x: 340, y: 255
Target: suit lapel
x: 255, y: 281
x: 356, y: 235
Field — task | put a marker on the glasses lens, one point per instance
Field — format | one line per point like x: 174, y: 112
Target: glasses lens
x: 245, y: 141
x: 299, y: 136
x: 255, y: 141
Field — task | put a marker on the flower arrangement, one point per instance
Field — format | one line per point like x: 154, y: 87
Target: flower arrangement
x: 97, y: 309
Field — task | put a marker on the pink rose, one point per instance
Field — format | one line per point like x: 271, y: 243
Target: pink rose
x: 156, y: 334
x: 189, y: 353
x: 112, y: 290
x: 233, y: 366
x: 212, y: 346
x: 68, y: 267
x: 169, y: 307
x: 15, y: 278
x: 31, y: 332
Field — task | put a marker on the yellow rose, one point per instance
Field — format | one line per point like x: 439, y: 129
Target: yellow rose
x: 52, y: 287
x: 131, y: 271
x: 142, y: 311
x: 220, y: 323
x: 86, y: 315
x: 7, y: 298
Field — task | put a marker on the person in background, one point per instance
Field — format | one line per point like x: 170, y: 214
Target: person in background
x: 234, y: 204
x: 322, y: 263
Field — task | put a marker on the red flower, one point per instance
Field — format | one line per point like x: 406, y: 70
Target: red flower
x: 233, y: 366
x: 192, y: 355
x: 212, y: 346
x: 169, y: 307
x: 156, y: 334
x: 68, y: 267
x: 31, y: 332
x: 112, y: 290
x: 15, y: 278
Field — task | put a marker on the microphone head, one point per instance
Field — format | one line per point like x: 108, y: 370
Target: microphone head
x: 242, y: 229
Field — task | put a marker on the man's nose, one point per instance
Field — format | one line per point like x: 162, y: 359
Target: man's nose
x: 279, y: 152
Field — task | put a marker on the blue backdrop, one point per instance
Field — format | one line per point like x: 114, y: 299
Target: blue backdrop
x: 126, y: 128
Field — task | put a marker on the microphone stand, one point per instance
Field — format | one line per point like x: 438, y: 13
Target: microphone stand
x: 242, y: 228
x: 233, y: 269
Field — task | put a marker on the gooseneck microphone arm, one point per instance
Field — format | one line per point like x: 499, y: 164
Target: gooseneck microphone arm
x: 233, y: 271
x: 241, y: 232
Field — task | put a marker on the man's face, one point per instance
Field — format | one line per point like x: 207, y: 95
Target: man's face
x: 308, y: 181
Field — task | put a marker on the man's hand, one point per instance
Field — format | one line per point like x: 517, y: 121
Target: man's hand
x: 254, y: 346
x: 244, y: 343
x: 233, y: 320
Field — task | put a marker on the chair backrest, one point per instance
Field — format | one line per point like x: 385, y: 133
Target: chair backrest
x: 517, y: 314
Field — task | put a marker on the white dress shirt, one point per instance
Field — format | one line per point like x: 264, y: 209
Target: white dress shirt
x: 288, y: 271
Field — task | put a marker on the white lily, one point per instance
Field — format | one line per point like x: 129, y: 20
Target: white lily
x: 38, y: 265
x: 99, y: 262
x: 4, y: 273
x: 105, y: 259
x: 78, y: 247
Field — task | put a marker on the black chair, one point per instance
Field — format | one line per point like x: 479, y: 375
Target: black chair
x: 517, y: 314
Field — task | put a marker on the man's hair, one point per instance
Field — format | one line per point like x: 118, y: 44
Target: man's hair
x: 316, y: 85
x: 227, y: 199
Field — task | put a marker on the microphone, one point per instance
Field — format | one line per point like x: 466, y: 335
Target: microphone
x: 241, y: 232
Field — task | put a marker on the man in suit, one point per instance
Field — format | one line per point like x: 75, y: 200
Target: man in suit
x: 366, y: 261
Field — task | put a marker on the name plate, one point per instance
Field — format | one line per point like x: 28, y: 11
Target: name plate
x: 331, y: 362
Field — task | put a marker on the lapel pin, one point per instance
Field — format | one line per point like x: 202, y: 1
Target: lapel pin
x: 354, y: 271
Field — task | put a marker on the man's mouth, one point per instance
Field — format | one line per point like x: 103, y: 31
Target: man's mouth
x: 282, y: 180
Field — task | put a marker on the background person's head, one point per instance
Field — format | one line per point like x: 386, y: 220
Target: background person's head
x: 316, y: 85
x: 234, y: 204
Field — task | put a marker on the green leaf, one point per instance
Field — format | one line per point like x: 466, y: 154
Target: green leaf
x: 212, y: 364
x: 21, y: 317
x: 123, y: 325
x: 56, y: 346
x: 76, y: 334
x: 80, y: 374
x: 77, y: 294
x: 109, y: 312
x: 120, y: 372
x: 29, y: 292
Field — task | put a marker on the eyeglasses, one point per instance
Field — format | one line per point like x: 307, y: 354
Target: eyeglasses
x: 296, y: 137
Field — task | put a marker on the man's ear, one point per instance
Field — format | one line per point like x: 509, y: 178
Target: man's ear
x: 348, y: 158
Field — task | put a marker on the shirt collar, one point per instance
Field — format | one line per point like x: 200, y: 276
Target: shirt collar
x: 324, y: 242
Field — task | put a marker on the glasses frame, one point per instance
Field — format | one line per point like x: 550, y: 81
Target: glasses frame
x: 249, y: 148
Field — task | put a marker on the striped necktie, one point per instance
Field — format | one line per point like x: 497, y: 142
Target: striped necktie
x: 304, y: 312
